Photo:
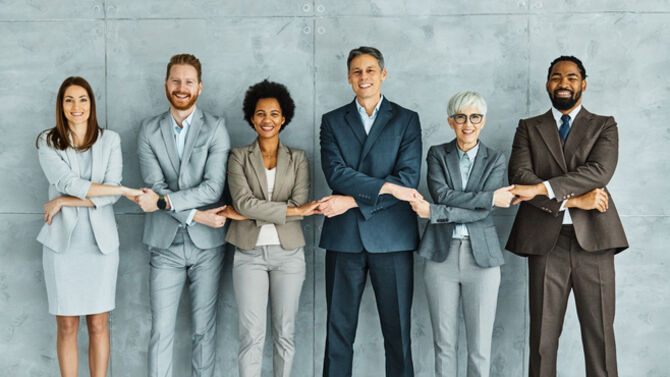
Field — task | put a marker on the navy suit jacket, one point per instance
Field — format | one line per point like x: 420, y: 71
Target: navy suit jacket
x: 358, y: 165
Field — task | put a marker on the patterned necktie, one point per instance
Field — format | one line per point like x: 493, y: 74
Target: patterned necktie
x: 465, y: 169
x: 565, y: 126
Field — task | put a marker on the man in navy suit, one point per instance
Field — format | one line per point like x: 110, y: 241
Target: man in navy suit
x: 371, y: 157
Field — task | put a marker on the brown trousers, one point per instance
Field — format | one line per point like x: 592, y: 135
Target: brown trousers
x: 591, y: 276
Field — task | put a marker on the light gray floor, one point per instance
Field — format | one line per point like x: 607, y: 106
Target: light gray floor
x: 433, y: 48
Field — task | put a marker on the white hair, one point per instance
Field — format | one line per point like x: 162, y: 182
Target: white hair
x: 461, y: 100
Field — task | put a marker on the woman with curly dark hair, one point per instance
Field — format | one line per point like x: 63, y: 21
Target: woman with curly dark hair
x: 269, y: 186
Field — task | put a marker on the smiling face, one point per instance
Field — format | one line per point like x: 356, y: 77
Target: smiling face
x: 268, y: 118
x: 365, y: 76
x: 565, y: 86
x: 76, y: 105
x: 467, y: 133
x: 182, y: 86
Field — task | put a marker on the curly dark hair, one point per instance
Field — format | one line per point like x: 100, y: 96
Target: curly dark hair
x: 268, y: 89
x: 565, y: 58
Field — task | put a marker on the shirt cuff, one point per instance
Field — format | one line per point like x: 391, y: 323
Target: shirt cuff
x: 170, y: 201
x: 550, y: 192
x: 189, y: 221
x: 563, y: 205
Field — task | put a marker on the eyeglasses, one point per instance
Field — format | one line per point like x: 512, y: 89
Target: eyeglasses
x: 462, y: 118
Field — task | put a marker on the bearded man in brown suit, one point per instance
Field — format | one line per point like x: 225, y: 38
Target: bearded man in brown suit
x: 567, y: 224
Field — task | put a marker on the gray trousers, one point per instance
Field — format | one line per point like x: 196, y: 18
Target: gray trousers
x: 267, y: 271
x: 447, y: 283
x: 170, y: 268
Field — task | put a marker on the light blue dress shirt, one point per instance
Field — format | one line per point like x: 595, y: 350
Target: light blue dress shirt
x: 180, y: 134
x: 460, y: 230
x: 368, y: 121
x: 550, y: 192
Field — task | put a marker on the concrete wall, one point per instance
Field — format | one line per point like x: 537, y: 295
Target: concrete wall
x: 433, y: 49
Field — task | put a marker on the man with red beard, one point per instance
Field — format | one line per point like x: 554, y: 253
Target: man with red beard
x: 567, y: 225
x: 182, y: 155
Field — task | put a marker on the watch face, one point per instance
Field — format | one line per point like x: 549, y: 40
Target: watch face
x: 161, y: 204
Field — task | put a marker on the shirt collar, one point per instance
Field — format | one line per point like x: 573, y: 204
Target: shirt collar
x: 185, y: 124
x: 557, y: 114
x: 361, y: 109
x: 471, y: 153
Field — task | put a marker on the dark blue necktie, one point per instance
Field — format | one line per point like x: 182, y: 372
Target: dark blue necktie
x: 565, y: 126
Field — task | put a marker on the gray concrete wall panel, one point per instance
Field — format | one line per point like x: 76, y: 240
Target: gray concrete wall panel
x: 432, y: 48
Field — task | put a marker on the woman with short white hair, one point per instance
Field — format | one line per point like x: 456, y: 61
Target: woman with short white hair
x: 466, y: 180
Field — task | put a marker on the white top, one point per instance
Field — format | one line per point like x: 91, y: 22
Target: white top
x: 268, y: 234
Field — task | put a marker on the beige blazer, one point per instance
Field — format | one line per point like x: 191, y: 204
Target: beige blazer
x: 249, y: 193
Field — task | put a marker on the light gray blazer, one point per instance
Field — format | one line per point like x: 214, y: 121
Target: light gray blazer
x: 194, y: 182
x: 471, y: 206
x: 62, y: 171
x: 249, y: 191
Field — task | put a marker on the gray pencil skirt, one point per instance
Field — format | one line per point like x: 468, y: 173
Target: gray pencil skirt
x: 80, y: 281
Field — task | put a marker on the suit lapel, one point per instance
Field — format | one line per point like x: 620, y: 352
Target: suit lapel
x: 168, y: 138
x: 283, y: 162
x: 354, y: 121
x: 96, y: 161
x: 453, y: 167
x: 578, y: 131
x: 256, y: 160
x: 478, y: 166
x: 383, y: 116
x: 549, y: 134
x: 192, y: 136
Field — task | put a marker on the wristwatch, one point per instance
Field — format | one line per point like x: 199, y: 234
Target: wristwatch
x: 161, y: 203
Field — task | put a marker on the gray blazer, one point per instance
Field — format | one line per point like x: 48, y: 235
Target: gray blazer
x: 248, y: 189
x: 471, y: 206
x: 194, y: 182
x: 62, y: 171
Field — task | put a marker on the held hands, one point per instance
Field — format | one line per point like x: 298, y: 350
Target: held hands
x: 421, y: 207
x: 503, y: 196
x: 130, y: 193
x: 211, y: 217
x: 528, y: 192
x: 594, y: 199
x: 307, y: 209
x: 406, y: 194
x: 231, y: 213
x: 51, y: 208
x: 335, y: 205
x: 146, y: 200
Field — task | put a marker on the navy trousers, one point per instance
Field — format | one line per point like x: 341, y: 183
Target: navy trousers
x: 391, y: 275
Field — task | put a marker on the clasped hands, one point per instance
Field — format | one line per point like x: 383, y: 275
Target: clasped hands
x: 595, y: 199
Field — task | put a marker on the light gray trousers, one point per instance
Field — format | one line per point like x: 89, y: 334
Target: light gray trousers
x: 267, y: 271
x: 457, y: 279
x: 170, y: 268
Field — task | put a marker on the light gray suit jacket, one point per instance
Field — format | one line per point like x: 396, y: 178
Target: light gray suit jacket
x: 249, y: 191
x: 62, y: 171
x: 471, y: 206
x: 194, y: 182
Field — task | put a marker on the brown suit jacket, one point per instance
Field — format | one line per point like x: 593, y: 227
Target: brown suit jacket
x: 586, y: 161
x: 249, y: 192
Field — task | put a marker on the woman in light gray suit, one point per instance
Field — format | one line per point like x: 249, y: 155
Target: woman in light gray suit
x: 460, y: 243
x: 269, y: 186
x: 80, y: 242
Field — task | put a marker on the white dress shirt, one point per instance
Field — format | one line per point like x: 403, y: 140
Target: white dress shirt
x: 368, y: 121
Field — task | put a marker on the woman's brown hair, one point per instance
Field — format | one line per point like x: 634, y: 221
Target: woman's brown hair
x: 59, y: 136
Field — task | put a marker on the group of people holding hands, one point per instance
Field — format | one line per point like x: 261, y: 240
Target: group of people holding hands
x: 199, y: 194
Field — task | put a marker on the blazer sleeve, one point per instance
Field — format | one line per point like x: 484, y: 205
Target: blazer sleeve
x: 58, y: 171
x: 245, y: 202
x: 495, y: 180
x: 342, y: 178
x: 113, y: 171
x: 152, y: 173
x: 444, y: 195
x: 407, y: 169
x: 210, y: 189
x: 521, y: 170
x: 598, y: 168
